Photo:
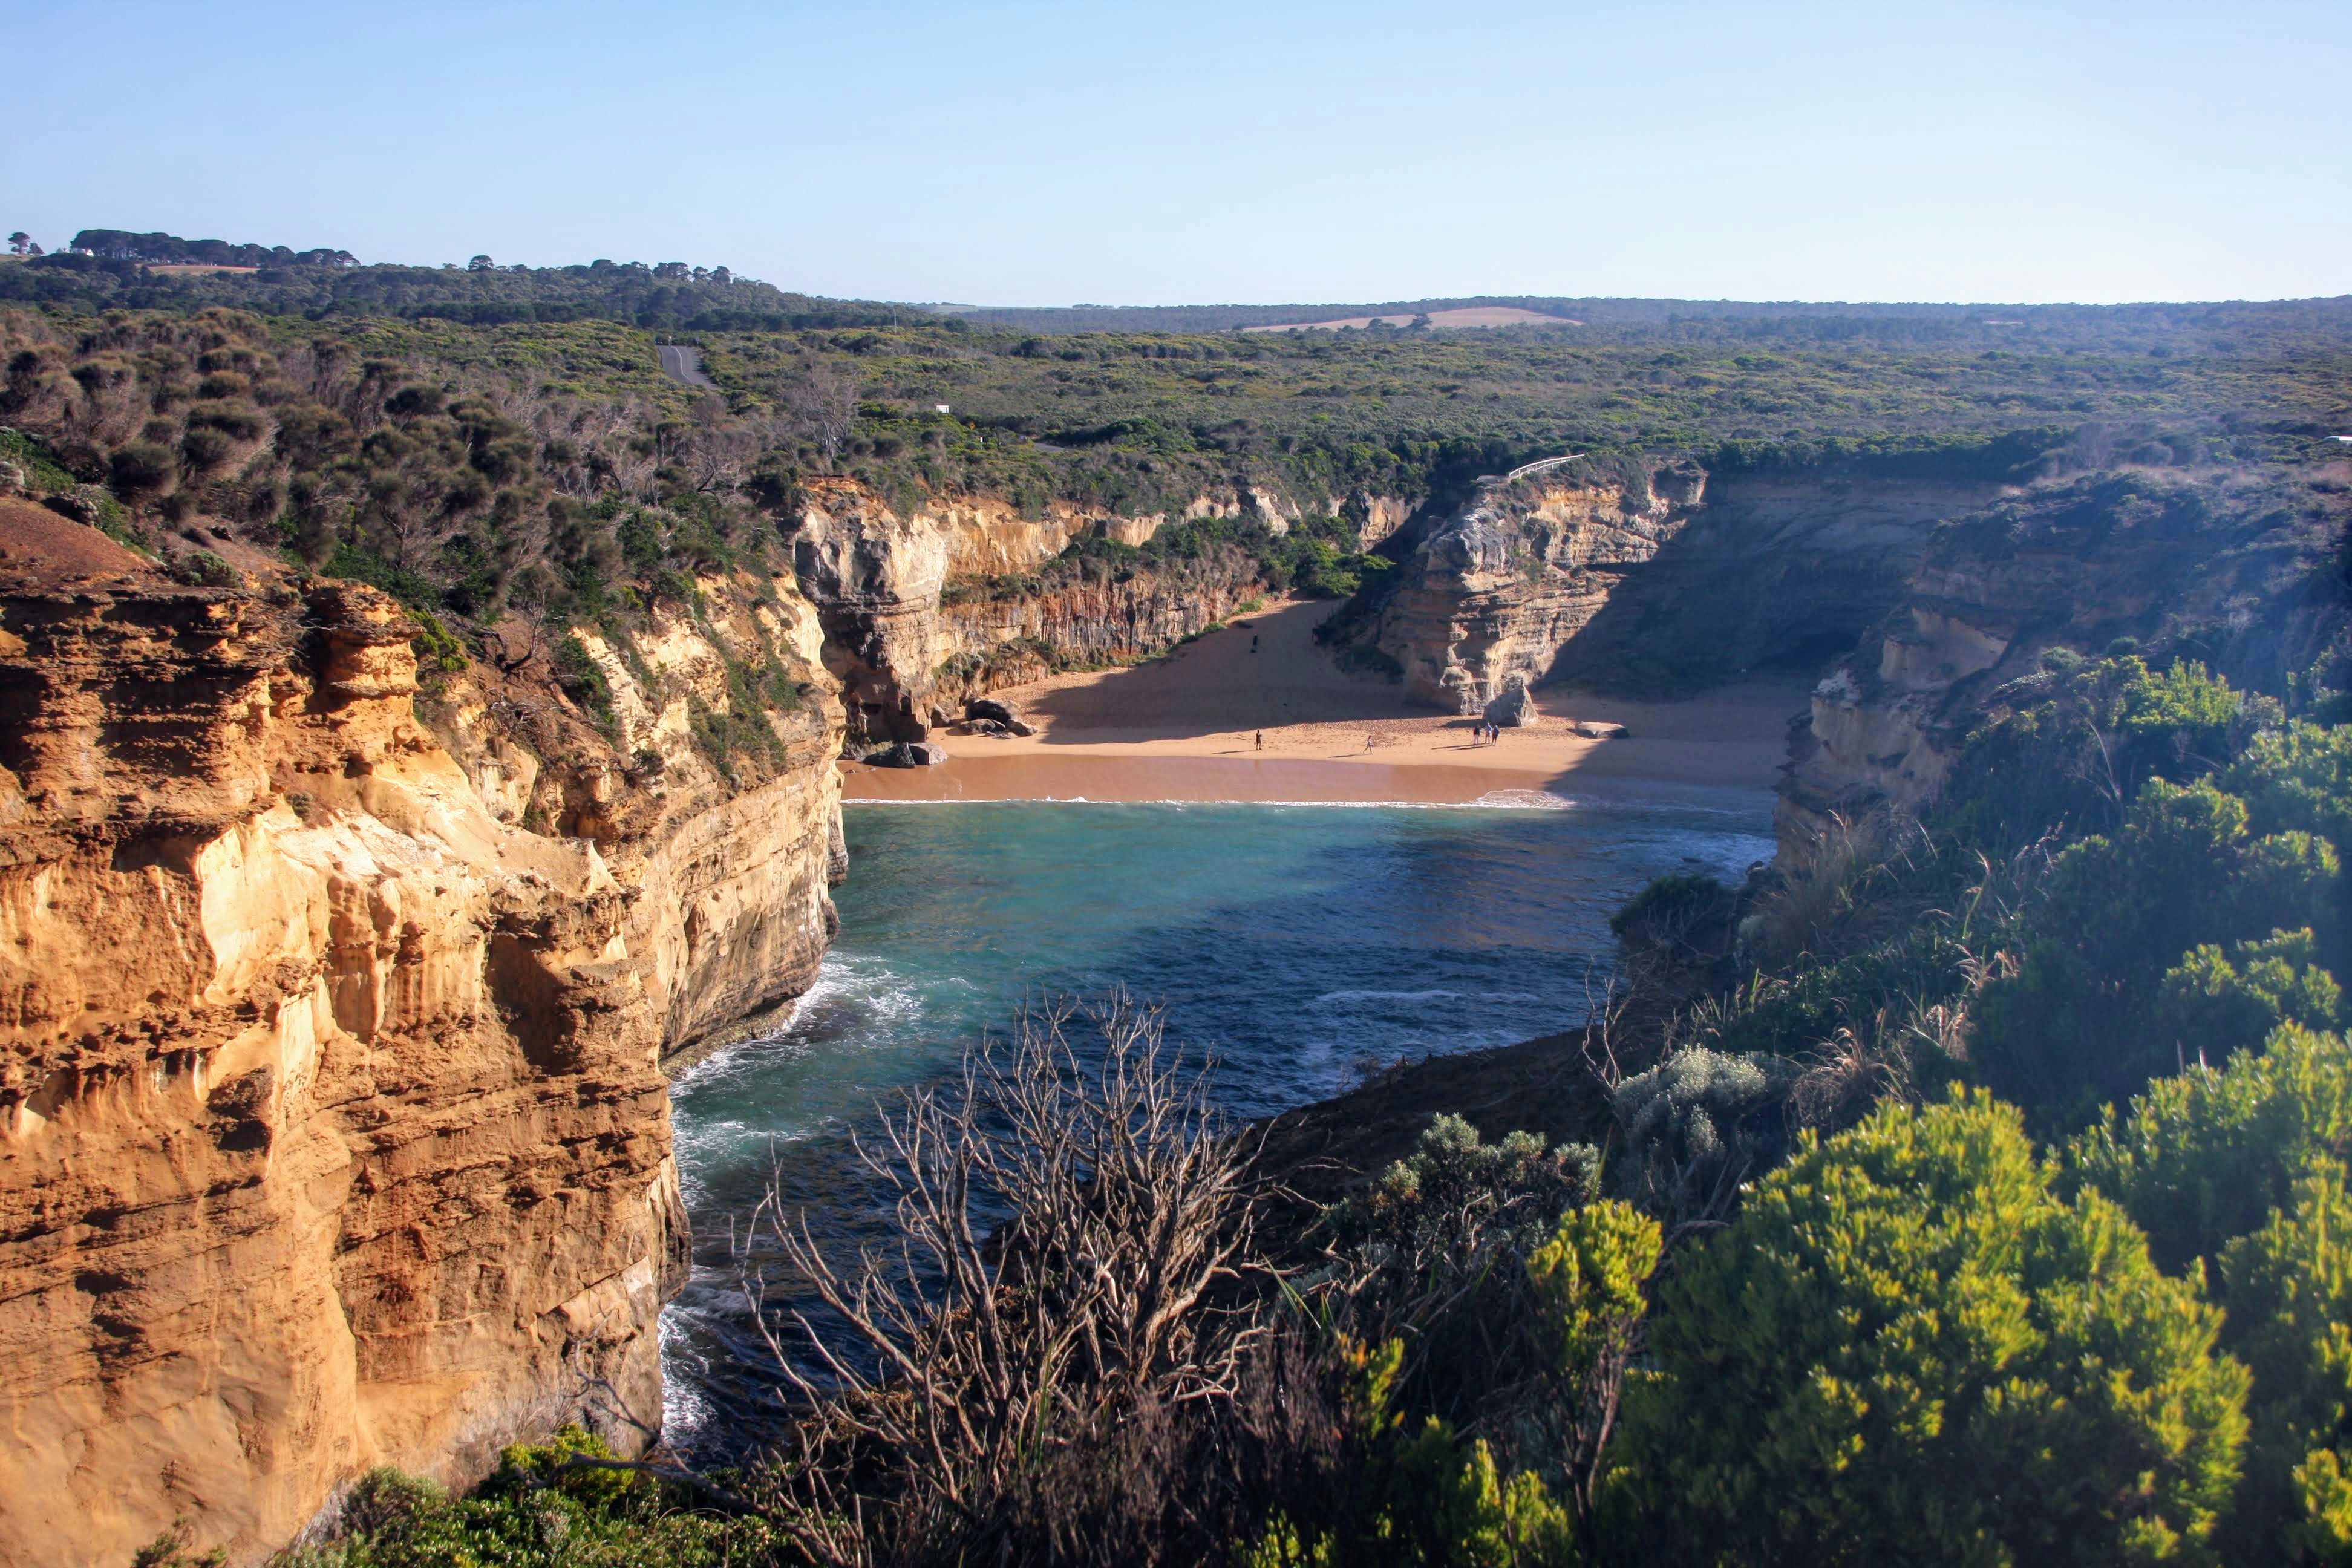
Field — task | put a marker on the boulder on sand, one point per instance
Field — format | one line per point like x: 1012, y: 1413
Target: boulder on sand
x: 1600, y: 729
x: 986, y: 727
x: 989, y: 708
x: 941, y: 718
x: 906, y: 754
x: 1514, y: 707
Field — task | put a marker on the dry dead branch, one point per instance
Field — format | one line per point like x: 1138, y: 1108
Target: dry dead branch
x: 975, y: 1358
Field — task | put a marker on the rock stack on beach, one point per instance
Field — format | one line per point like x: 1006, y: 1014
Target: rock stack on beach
x: 1514, y: 707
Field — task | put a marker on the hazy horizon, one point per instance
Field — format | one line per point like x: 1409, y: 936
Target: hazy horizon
x: 1019, y: 154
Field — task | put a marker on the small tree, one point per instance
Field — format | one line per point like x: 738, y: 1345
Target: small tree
x: 823, y: 402
x: 18, y: 241
x: 993, y: 1372
x: 479, y: 264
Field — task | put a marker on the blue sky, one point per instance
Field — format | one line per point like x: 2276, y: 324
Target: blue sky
x: 1050, y: 153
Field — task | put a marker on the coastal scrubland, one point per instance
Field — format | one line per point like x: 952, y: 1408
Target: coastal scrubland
x: 1968, y: 1187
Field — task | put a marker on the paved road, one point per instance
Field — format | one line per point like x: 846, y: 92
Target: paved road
x: 682, y: 364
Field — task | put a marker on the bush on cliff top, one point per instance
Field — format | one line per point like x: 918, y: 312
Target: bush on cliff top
x: 538, y: 1510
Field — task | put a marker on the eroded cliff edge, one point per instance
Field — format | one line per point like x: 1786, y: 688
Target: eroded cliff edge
x: 2226, y: 566
x: 1651, y: 577
x: 925, y: 605
x: 332, y: 1132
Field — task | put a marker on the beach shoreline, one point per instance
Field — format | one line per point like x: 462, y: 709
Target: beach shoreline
x: 1257, y: 711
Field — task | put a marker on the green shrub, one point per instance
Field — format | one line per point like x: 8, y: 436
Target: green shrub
x: 1438, y: 1249
x: 141, y: 467
x: 437, y: 648
x: 531, y: 1514
x: 1414, y: 1496
x: 411, y: 588
x: 1909, y: 1349
x: 2240, y: 1175
x: 2200, y: 1159
x: 2075, y: 745
x: 2213, y: 1007
x: 203, y: 569
x: 2077, y: 1026
x: 42, y: 469
x: 1697, y: 1126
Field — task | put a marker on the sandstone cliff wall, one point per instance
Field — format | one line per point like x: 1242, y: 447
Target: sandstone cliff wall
x: 332, y: 1128
x: 899, y: 637
x: 1499, y: 588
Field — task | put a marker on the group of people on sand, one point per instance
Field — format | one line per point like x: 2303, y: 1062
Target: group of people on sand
x: 1488, y: 732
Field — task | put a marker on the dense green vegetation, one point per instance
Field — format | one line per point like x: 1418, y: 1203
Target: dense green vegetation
x: 473, y: 455
x: 1139, y: 422
x: 321, y: 284
x: 1763, y: 320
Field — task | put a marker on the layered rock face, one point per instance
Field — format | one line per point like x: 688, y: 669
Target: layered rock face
x: 1004, y: 640
x: 728, y: 872
x: 897, y: 634
x: 1500, y: 587
x: 332, y: 1128
x: 2217, y: 567
x: 1678, y: 583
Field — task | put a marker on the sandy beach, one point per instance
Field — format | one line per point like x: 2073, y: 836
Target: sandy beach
x: 1258, y: 712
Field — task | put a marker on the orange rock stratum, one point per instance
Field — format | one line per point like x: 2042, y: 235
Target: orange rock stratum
x: 332, y: 1132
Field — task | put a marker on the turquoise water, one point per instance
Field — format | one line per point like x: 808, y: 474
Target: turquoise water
x: 1297, y: 942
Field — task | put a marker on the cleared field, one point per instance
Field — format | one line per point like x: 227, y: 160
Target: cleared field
x: 1468, y: 316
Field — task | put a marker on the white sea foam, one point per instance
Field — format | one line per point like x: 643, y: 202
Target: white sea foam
x: 684, y: 1410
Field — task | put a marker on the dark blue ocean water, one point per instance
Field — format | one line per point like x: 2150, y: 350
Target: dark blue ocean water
x: 1297, y: 942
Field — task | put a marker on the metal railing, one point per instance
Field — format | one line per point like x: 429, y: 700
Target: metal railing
x: 1524, y: 469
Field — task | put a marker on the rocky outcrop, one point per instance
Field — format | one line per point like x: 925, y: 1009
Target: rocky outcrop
x: 332, y: 1128
x: 1375, y: 517
x: 728, y: 858
x: 906, y: 754
x: 1497, y: 589
x: 1569, y: 573
x: 1513, y: 707
x: 2216, y: 566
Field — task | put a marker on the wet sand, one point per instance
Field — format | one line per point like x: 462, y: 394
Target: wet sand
x: 1215, y: 721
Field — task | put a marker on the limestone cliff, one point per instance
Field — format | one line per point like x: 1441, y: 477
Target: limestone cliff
x: 1665, y: 580
x: 2223, y: 566
x: 1499, y: 588
x: 914, y: 607
x: 331, y: 1126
